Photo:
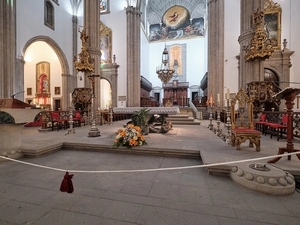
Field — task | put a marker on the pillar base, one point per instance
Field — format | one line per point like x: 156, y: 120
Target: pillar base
x: 94, y: 132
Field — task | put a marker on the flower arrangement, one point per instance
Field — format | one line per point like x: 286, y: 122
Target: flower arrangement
x: 130, y: 136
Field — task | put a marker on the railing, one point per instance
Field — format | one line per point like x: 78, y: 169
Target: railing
x: 276, y: 117
x: 100, y: 118
x: 198, y: 113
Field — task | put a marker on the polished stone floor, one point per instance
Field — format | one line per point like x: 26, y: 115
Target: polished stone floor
x: 30, y: 194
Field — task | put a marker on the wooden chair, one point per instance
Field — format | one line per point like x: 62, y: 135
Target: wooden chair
x: 242, y: 128
x: 277, y: 128
x: 57, y: 122
x: 260, y: 125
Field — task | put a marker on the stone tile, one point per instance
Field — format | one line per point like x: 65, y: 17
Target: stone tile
x: 228, y: 199
x: 13, y: 192
x: 157, y: 215
x: 165, y: 191
x: 36, y: 196
x: 266, y: 203
x: 21, y: 213
x: 62, y: 200
x: 199, y: 208
x: 123, y: 211
x: 232, y: 221
x: 91, y: 206
x: 107, y: 221
x: 190, y: 218
x: 132, y: 198
x: 270, y: 218
x: 195, y: 195
x: 137, y: 187
x: 60, y: 217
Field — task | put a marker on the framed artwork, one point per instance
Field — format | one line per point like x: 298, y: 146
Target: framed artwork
x: 57, y: 90
x: 29, y: 91
x: 272, y: 24
x: 104, y: 7
x: 105, y: 43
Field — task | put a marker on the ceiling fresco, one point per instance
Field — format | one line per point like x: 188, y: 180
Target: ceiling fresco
x: 173, y: 19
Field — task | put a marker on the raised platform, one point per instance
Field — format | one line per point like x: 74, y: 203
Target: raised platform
x: 153, y: 110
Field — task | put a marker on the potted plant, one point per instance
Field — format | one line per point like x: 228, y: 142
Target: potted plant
x: 140, y: 118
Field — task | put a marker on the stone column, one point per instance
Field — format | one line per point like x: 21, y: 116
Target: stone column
x: 216, y: 48
x: 68, y: 84
x: 133, y: 56
x: 92, y: 28
x: 251, y: 70
x: 7, y: 48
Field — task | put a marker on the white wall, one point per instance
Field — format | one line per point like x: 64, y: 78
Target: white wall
x: 291, y: 32
x: 30, y: 23
x: 196, y: 60
x: 116, y: 21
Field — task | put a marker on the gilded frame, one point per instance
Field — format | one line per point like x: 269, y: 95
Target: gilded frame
x: 29, y: 91
x: 104, y: 6
x: 57, y: 90
x: 272, y: 24
x: 105, y: 43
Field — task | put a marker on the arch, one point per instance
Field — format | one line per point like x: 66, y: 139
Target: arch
x: 106, y: 93
x: 58, y: 51
x: 271, y: 75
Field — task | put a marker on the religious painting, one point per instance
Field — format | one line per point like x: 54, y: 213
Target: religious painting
x: 105, y: 43
x: 272, y: 24
x: 57, y: 90
x: 29, y: 91
x: 176, y: 24
x: 176, y: 59
x: 104, y: 7
x: 43, y: 78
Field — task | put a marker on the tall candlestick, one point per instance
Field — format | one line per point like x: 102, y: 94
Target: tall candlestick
x: 70, y: 99
x: 227, y: 97
x: 218, y: 97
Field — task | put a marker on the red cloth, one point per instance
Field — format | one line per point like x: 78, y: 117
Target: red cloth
x: 67, y: 184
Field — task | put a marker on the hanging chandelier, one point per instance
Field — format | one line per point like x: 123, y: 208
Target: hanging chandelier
x: 164, y: 72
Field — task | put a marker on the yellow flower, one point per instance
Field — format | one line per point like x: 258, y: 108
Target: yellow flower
x: 132, y: 142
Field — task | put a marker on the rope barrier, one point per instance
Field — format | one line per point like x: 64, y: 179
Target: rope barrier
x: 150, y: 170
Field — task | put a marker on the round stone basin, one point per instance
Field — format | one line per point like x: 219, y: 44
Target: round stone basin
x: 264, y: 178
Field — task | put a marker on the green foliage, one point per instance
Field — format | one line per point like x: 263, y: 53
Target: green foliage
x: 140, y: 118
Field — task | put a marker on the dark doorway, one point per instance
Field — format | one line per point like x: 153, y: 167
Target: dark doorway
x: 157, y: 96
x: 57, y: 105
x: 195, y: 96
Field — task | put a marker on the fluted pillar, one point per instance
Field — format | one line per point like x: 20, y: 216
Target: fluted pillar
x: 216, y: 48
x: 92, y: 29
x: 252, y: 70
x: 8, y: 49
x: 133, y: 56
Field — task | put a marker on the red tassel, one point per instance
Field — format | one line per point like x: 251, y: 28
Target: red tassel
x: 67, y: 184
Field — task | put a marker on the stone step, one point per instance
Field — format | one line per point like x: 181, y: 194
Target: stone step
x: 186, y: 122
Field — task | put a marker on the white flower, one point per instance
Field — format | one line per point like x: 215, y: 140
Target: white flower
x: 140, y: 143
x: 118, y: 136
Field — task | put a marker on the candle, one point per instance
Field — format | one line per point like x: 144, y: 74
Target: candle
x: 218, y: 97
x: 227, y: 97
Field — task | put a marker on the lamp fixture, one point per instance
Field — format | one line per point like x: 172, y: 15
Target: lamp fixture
x: 164, y: 72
